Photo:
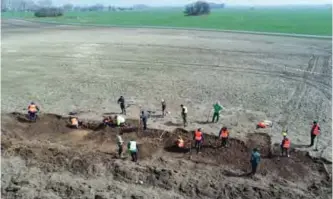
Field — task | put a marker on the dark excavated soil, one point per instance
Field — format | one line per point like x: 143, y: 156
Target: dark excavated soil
x: 217, y: 172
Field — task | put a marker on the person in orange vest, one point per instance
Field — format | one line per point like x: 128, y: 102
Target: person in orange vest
x: 198, y: 138
x: 74, y: 122
x: 264, y: 124
x: 285, y: 145
x: 180, y: 142
x: 224, y: 135
x: 315, y: 131
x: 32, y: 111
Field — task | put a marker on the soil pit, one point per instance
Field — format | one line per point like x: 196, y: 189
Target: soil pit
x: 91, y: 151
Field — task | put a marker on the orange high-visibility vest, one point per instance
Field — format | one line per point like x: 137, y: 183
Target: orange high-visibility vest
x: 180, y: 143
x: 286, y: 144
x: 32, y: 108
x: 198, y: 135
x: 74, y: 121
x: 224, y: 134
x: 262, y: 125
x: 316, y: 130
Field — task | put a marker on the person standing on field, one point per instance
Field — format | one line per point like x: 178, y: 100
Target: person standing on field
x: 121, y: 102
x: 120, y: 143
x: 184, y: 114
x: 144, y: 118
x: 133, y: 149
x: 217, y: 108
x: 315, y: 131
x: 163, y: 103
x: 255, y: 160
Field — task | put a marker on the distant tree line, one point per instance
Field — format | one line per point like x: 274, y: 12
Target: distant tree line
x: 41, y: 5
x: 201, y: 8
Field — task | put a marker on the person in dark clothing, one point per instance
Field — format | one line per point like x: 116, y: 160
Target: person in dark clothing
x: 144, y: 118
x: 163, y: 107
x: 121, y: 102
x: 255, y: 160
x: 184, y: 114
x: 315, y: 130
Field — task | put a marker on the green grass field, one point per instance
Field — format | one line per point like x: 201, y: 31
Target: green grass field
x: 299, y: 21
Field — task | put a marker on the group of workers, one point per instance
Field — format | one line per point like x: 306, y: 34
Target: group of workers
x: 198, y: 138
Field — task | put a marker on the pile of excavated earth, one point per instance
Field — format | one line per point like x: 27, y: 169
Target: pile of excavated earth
x: 47, y: 159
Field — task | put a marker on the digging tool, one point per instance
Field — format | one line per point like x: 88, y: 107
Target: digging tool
x: 190, y: 157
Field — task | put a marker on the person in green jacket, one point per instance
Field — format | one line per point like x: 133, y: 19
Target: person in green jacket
x: 255, y: 160
x: 133, y: 149
x: 216, y: 108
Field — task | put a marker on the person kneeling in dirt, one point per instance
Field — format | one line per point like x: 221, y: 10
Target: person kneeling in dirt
x: 224, y: 135
x: 180, y: 142
x: 255, y: 160
x: 32, y: 111
x: 120, y: 120
x: 285, y: 145
x: 133, y: 149
x: 198, y: 138
x: 120, y: 143
x: 74, y: 122
x: 264, y: 124
x: 107, y: 121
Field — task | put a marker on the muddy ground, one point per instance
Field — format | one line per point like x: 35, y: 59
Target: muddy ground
x: 47, y: 159
x: 85, y: 69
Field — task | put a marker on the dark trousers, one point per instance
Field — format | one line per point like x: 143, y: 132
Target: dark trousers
x: 312, y: 139
x: 184, y: 115
x: 134, y: 156
x: 284, y: 151
x: 123, y: 109
x: 144, y: 121
x: 32, y: 115
x: 254, y: 168
x: 163, y: 110
x: 197, y: 145
x: 224, y: 141
x: 216, y: 116
x: 120, y: 149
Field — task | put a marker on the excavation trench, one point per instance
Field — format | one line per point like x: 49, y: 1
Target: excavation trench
x: 51, y: 145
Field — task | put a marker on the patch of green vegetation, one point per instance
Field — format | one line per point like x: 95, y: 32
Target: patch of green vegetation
x: 298, y: 21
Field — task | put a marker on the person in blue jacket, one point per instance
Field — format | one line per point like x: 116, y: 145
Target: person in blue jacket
x: 255, y: 160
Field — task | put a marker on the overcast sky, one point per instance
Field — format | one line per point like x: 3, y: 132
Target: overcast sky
x: 183, y: 2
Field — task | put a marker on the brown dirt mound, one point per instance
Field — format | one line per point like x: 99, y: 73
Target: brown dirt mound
x: 90, y: 151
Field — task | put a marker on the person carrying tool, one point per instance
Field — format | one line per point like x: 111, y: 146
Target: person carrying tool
x: 120, y: 120
x: 285, y: 145
x: 144, y: 118
x: 315, y: 131
x: 120, y: 143
x: 264, y: 124
x: 133, y: 149
x: 121, y: 102
x: 255, y: 160
x: 198, y: 139
x: 74, y: 122
x: 217, y: 108
x: 33, y: 109
x: 184, y: 114
x: 180, y: 142
x: 163, y: 103
x: 224, y: 135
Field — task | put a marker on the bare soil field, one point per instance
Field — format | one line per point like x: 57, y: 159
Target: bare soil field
x: 85, y: 69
